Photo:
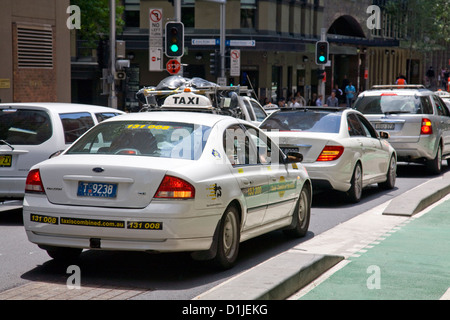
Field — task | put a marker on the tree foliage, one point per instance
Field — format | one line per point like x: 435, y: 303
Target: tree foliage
x: 95, y: 20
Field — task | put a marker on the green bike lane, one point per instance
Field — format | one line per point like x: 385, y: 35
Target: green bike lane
x: 412, y: 262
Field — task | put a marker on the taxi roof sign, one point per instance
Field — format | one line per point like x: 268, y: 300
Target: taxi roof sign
x: 187, y: 100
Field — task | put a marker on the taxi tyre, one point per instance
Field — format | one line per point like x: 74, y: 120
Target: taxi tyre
x: 355, y: 192
x: 391, y: 175
x: 228, y: 238
x: 62, y: 253
x: 435, y: 165
x: 301, y: 215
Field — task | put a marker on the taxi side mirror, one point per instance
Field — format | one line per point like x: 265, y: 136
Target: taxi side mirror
x: 384, y: 135
x: 294, y: 157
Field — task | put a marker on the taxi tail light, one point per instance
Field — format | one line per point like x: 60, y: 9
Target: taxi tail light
x: 331, y: 153
x: 426, y: 127
x: 33, y: 183
x: 175, y: 188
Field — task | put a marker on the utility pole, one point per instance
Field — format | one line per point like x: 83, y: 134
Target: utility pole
x: 222, y: 38
x: 112, y: 47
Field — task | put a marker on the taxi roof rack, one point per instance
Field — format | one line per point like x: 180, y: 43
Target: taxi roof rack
x: 398, y: 86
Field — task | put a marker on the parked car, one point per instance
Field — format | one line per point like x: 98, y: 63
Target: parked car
x: 166, y: 181
x: 341, y: 150
x: 32, y: 132
x: 417, y: 120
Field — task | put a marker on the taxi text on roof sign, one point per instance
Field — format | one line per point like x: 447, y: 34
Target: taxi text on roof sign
x: 188, y: 100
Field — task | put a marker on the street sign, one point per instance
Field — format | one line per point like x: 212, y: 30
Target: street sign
x: 173, y: 66
x: 155, y: 39
x: 156, y: 59
x: 235, y: 62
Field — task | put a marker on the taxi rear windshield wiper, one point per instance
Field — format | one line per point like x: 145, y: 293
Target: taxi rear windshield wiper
x: 395, y: 112
x: 6, y: 143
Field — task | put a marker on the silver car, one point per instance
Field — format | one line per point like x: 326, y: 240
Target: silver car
x: 417, y: 120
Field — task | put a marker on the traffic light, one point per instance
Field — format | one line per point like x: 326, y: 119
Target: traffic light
x: 214, y: 63
x: 174, y: 39
x: 321, y: 52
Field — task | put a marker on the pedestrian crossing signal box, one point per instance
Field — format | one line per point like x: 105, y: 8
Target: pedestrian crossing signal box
x: 322, y: 52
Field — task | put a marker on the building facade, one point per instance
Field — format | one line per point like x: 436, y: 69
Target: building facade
x: 34, y: 51
x: 276, y: 39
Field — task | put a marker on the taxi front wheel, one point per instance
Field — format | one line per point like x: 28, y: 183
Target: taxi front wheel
x: 228, y: 239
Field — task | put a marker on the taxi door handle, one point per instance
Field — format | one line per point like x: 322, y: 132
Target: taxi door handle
x: 273, y: 178
x: 246, y: 182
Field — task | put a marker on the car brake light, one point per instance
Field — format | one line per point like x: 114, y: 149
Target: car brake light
x: 426, y: 127
x: 175, y: 188
x: 331, y: 153
x: 33, y: 183
x: 388, y: 94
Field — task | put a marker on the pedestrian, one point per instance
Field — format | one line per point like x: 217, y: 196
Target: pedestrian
x: 350, y: 94
x: 293, y: 103
x: 319, y: 101
x: 401, y: 79
x: 339, y: 94
x: 281, y: 102
x: 312, y: 102
x: 300, y: 100
x: 332, y: 101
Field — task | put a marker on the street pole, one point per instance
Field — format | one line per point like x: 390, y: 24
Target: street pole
x: 222, y: 39
x: 112, y: 53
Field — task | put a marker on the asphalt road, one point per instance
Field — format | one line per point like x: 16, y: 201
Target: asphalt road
x: 176, y: 276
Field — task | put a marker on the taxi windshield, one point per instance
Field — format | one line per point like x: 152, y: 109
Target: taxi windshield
x: 144, y: 138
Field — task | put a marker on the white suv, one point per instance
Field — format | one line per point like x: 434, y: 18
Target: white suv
x: 32, y: 132
x: 417, y: 120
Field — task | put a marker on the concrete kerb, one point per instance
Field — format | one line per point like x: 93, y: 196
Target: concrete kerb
x: 417, y: 199
x: 275, y: 279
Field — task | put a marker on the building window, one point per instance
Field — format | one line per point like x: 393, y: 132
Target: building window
x: 248, y: 14
x: 132, y: 13
x: 188, y: 13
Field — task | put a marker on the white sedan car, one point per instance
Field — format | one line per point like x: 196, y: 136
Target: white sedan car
x: 341, y: 150
x: 166, y: 181
x: 32, y: 132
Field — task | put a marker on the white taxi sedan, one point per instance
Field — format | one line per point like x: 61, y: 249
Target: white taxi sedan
x: 341, y: 150
x: 166, y: 182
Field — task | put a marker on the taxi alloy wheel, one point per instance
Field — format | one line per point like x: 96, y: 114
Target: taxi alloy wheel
x: 228, y: 239
x: 302, y: 213
x: 435, y: 165
x: 391, y: 175
x: 355, y: 191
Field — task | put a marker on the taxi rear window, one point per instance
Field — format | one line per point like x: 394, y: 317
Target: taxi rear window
x: 394, y: 104
x: 312, y: 121
x: 144, y: 138
x: 24, y: 126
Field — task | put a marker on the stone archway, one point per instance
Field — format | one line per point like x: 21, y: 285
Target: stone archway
x: 346, y: 26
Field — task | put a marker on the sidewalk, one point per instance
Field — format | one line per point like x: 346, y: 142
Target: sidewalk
x: 412, y: 263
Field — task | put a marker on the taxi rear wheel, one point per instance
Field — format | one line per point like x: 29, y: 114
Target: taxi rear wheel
x: 355, y: 192
x: 228, y: 239
x: 302, y: 213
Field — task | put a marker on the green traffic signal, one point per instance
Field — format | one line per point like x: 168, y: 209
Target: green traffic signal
x: 174, y: 48
x: 322, y: 59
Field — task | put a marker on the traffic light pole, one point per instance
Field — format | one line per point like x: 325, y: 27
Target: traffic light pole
x: 321, y: 84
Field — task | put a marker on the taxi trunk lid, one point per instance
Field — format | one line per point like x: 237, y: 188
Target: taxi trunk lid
x: 106, y: 181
